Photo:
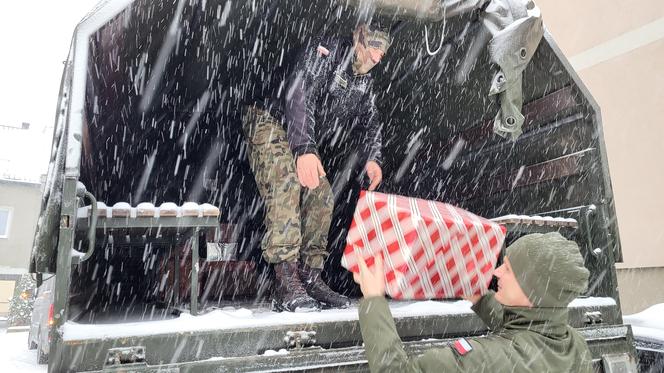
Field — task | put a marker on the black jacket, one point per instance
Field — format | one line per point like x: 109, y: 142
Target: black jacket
x: 323, y: 96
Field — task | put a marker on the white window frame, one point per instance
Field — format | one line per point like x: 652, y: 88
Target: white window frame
x: 10, y: 210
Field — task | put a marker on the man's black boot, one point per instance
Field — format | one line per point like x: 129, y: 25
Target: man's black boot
x: 313, y: 283
x: 289, y: 293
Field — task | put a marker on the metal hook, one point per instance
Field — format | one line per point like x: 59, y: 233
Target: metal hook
x: 442, y: 36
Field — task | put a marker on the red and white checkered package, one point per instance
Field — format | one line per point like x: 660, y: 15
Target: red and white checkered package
x: 430, y: 249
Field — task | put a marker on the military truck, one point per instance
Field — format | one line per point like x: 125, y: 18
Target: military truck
x: 151, y: 221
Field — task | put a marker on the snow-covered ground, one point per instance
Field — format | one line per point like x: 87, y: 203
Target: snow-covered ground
x: 15, y: 356
x: 648, y: 324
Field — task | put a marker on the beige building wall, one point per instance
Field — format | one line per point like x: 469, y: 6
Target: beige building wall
x: 6, y: 293
x: 617, y: 48
x: 24, y: 199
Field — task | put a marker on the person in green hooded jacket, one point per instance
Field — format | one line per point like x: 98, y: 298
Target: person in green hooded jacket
x: 527, y: 316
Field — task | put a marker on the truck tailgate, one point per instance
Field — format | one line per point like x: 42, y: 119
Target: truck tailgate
x: 224, y: 338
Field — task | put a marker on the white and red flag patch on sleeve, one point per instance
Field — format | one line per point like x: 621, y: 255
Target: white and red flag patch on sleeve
x: 431, y: 250
x: 461, y: 346
x: 322, y: 51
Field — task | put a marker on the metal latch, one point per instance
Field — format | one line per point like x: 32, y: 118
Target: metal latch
x: 593, y: 317
x: 217, y: 252
x: 299, y: 339
x: 64, y: 222
x: 125, y: 355
x: 619, y: 363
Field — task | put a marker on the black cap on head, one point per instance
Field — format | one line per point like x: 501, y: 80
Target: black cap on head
x: 376, y: 35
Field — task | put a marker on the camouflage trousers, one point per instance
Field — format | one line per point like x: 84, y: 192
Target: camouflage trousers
x: 297, y: 219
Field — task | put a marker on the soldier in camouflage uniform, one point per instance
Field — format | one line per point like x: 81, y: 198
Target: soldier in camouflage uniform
x: 330, y: 85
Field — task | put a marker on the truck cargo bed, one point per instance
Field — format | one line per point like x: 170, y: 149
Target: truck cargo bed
x: 150, y: 112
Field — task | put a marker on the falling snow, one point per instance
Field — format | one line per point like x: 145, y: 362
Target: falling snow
x: 150, y: 121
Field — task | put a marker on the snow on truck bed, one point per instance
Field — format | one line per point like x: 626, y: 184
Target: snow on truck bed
x: 232, y: 318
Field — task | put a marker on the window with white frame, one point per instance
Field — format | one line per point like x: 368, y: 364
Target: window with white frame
x: 5, y: 221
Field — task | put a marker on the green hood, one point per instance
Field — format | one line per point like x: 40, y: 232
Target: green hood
x: 551, y: 322
x: 549, y: 268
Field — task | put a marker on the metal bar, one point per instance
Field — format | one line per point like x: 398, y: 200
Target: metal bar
x: 93, y: 226
x: 194, y: 272
x: 588, y: 227
x: 176, y: 275
x: 598, y: 134
x: 150, y: 222
x: 522, y: 220
x: 523, y: 229
x: 63, y: 278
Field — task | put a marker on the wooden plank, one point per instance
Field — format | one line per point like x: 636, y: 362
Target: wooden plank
x: 544, y: 107
x: 564, y: 166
